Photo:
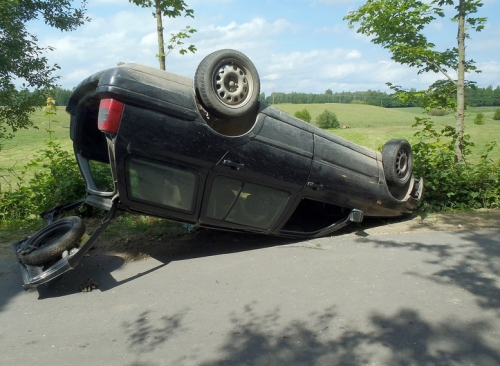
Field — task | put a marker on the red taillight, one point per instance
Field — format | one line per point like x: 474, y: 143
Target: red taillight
x: 110, y: 114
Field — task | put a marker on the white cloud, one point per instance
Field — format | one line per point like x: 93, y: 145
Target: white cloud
x: 253, y: 34
x: 490, y: 74
x: 436, y: 25
x: 150, y: 39
x: 353, y: 54
x: 282, y: 63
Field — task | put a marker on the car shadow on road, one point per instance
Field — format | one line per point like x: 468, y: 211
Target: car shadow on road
x: 96, y: 268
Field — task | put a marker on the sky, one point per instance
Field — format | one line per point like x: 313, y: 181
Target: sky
x: 296, y: 45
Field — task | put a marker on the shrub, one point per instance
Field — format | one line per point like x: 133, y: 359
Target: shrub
x: 327, y: 120
x: 496, y: 116
x: 439, y: 112
x: 303, y: 115
x: 56, y: 181
x: 451, y: 186
x: 479, y: 119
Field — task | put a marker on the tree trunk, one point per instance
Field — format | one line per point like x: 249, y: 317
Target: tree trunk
x: 159, y: 28
x: 460, y: 82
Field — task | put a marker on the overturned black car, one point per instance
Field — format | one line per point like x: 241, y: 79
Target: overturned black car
x: 209, y: 154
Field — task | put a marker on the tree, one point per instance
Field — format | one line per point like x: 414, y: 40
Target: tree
x: 479, y: 119
x: 170, y: 9
x: 22, y: 60
x: 327, y: 120
x: 496, y: 116
x: 303, y: 114
x: 398, y: 26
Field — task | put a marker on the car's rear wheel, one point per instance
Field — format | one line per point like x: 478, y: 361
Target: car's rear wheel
x: 397, y: 157
x: 50, y: 242
x: 227, y: 84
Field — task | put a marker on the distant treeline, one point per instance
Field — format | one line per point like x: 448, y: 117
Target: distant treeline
x: 61, y: 96
x: 475, y: 97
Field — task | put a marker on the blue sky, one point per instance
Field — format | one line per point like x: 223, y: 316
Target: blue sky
x: 296, y: 45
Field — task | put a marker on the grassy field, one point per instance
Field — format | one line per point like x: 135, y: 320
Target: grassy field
x: 372, y: 126
x: 22, y: 148
x: 369, y: 126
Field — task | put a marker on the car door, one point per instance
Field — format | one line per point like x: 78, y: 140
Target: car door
x: 254, y: 184
x: 343, y: 173
x: 163, y: 161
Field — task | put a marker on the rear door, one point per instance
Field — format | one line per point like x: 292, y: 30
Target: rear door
x: 163, y: 161
x: 255, y: 184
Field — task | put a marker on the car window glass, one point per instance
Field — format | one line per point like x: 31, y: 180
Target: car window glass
x: 223, y: 194
x: 161, y: 184
x: 245, y: 203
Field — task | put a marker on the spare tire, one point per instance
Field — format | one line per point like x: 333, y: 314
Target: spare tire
x: 227, y: 84
x: 397, y: 158
x: 50, y: 242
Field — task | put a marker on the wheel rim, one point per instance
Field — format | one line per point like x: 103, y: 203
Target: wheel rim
x: 233, y: 83
x: 402, y: 164
x: 51, y: 237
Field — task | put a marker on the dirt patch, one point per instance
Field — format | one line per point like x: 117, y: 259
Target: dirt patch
x: 446, y: 221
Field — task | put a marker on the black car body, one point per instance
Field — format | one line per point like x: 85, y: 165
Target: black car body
x: 174, y: 154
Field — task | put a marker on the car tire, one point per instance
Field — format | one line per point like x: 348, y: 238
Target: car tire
x: 227, y: 84
x: 50, y: 242
x: 397, y: 158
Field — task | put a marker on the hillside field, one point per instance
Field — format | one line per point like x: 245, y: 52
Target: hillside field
x: 22, y: 148
x: 372, y: 126
x: 369, y: 126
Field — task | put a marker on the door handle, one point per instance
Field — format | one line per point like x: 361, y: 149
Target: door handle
x: 233, y: 165
x: 315, y: 186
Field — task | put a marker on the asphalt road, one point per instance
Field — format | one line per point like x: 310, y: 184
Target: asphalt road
x: 408, y: 299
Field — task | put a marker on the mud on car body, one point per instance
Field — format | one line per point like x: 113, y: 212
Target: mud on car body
x: 207, y: 153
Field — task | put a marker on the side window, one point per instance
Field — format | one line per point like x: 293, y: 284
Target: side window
x: 161, y: 184
x: 244, y: 203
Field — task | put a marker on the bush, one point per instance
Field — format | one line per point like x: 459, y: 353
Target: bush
x: 438, y: 112
x: 327, y: 120
x: 303, y: 115
x: 479, y: 119
x: 496, y: 116
x: 451, y: 186
x: 56, y: 181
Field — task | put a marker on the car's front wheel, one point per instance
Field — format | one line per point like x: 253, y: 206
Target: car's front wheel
x: 227, y: 84
x: 397, y: 157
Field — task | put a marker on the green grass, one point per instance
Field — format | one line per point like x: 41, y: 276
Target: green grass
x: 22, y: 148
x: 372, y: 126
x: 25, y: 143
